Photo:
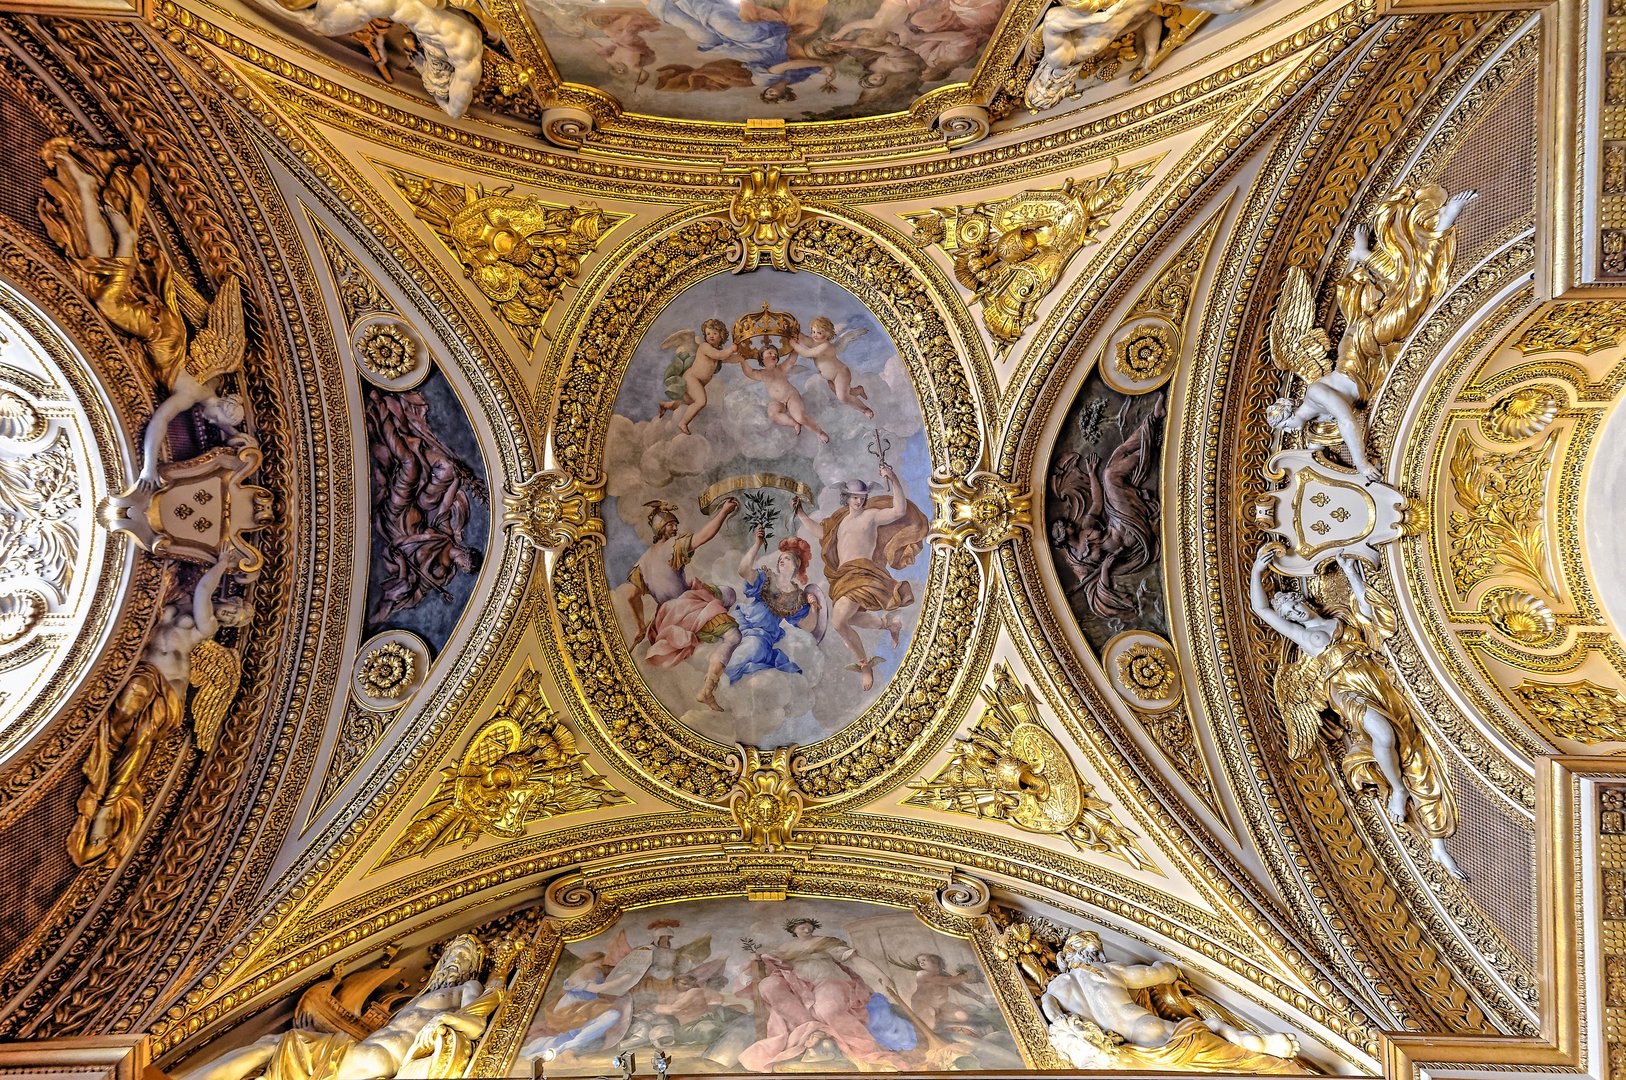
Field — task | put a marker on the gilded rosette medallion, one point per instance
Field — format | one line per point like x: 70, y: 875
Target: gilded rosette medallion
x: 764, y: 577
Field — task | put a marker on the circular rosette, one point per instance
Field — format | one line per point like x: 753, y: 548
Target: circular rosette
x: 1142, y: 355
x: 390, y: 667
x: 767, y: 449
x: 389, y: 353
x: 1142, y: 668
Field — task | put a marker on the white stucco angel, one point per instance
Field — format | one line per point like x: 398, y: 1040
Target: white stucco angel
x: 1074, y: 32
x: 1106, y: 1014
x: 1396, y: 270
x: 1334, y: 678
x: 94, y: 207
x: 450, y: 47
x: 150, y: 705
x: 432, y: 1035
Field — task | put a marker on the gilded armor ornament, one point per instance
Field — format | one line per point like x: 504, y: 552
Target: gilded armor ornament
x: 522, y: 765
x: 519, y: 251
x: 764, y: 213
x: 1010, y: 768
x: 553, y: 509
x: 1012, y: 252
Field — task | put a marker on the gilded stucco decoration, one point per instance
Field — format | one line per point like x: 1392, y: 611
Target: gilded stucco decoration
x: 981, y: 511
x: 764, y: 213
x: 520, y: 251
x: 1011, y: 253
x: 520, y: 766
x: 1329, y: 520
x: 553, y: 509
x: 1146, y: 347
x: 1009, y: 768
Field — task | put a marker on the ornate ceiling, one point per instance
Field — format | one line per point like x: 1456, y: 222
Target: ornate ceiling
x: 890, y: 483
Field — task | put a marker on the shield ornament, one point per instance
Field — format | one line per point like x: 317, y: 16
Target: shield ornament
x: 201, y: 512
x: 1322, y: 512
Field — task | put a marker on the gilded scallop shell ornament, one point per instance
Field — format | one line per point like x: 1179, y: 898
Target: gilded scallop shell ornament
x: 1522, y: 617
x: 1520, y: 413
x: 19, y: 611
x: 19, y: 421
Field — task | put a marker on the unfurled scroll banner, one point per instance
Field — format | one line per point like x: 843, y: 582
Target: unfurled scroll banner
x: 722, y: 489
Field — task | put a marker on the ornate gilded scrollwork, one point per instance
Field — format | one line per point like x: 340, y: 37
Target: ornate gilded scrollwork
x: 1010, y: 768
x: 553, y: 509
x: 1585, y: 327
x: 520, y: 251
x: 1581, y: 710
x: 1012, y: 252
x: 765, y: 801
x: 1501, y: 522
x: 980, y: 511
x: 521, y: 766
x: 764, y: 213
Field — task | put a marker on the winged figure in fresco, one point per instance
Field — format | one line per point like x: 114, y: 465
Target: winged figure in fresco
x: 1108, y: 523
x: 1332, y: 682
x: 1396, y: 270
x: 94, y: 204
x: 823, y: 346
x: 698, y: 359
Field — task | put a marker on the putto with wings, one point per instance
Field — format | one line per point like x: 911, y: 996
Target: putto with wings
x: 521, y: 766
x: 1397, y: 269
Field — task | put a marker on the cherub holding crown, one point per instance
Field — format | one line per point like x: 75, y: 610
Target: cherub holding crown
x: 823, y: 347
x: 707, y: 354
x: 785, y: 405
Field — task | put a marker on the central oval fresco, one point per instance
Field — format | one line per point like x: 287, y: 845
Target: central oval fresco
x: 767, y: 470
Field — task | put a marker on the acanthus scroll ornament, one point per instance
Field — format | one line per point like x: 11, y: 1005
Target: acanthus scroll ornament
x: 765, y: 800
x: 980, y: 510
x: 764, y: 213
x: 553, y: 509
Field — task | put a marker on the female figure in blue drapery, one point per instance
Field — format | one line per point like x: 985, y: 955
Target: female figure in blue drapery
x: 774, y: 595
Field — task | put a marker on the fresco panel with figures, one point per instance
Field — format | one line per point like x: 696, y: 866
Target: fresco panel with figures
x: 789, y: 59
x: 766, y: 544
x: 733, y: 986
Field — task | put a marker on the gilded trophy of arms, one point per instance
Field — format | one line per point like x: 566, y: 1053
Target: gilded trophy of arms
x: 1328, y: 518
x: 193, y: 514
x: 1108, y: 1014
x: 519, y: 251
x: 523, y: 765
x: 1010, y: 768
x: 1011, y: 253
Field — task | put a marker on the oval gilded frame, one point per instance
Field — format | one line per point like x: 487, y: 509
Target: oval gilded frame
x: 934, y: 685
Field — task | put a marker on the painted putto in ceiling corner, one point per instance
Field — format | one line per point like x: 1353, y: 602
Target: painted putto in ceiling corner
x: 767, y: 464
x: 793, y: 59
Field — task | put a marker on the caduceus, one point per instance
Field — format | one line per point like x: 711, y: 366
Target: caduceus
x: 878, y: 446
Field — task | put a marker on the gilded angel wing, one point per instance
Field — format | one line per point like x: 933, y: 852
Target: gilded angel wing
x: 1297, y: 345
x: 216, y: 672
x: 217, y: 349
x: 1301, y: 693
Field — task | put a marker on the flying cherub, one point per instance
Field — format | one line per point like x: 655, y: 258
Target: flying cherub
x: 785, y: 406
x: 824, y: 348
x: 705, y: 357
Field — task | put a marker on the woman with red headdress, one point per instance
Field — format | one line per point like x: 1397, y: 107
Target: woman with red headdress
x: 775, y: 594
